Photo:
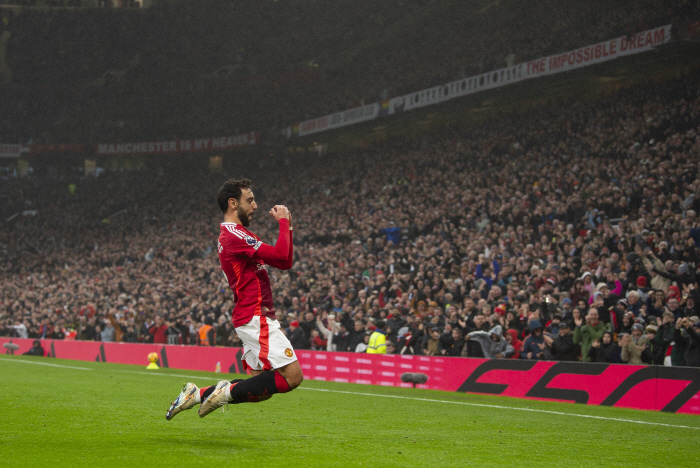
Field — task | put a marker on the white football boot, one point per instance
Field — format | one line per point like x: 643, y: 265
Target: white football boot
x: 215, y: 400
x: 184, y: 401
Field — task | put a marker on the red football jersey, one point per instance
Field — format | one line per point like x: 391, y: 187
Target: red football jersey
x: 244, y: 259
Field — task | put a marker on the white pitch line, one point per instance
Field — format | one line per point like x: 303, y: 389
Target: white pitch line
x: 122, y: 372
x: 45, y: 364
x: 163, y: 375
x: 502, y: 407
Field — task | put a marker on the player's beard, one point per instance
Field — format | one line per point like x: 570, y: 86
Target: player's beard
x: 243, y: 216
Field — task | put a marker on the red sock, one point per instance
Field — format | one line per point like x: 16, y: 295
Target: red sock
x: 281, y: 383
x: 265, y: 383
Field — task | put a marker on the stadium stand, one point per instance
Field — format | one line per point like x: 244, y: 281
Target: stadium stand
x: 576, y: 215
x: 572, y: 212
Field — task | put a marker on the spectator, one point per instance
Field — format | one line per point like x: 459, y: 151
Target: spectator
x: 157, y: 331
x: 585, y: 334
x: 456, y: 344
x: 512, y: 339
x: 88, y: 332
x: 172, y: 334
x: 317, y: 342
x: 362, y: 347
x: 330, y: 332
x: 534, y: 345
x: 687, y: 338
x: 654, y: 353
x: 562, y: 347
x: 432, y: 345
x: 130, y: 336
x: 107, y: 334
x: 493, y: 344
x: 605, y: 349
x: 308, y: 324
x: 20, y: 329
x: 631, y: 351
x: 357, y: 336
x: 297, y: 336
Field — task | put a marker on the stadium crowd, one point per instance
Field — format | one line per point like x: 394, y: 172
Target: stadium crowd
x: 93, y: 75
x: 568, y: 232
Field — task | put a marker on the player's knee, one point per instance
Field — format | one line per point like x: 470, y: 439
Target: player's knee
x: 299, y: 378
x: 295, y: 379
x: 293, y: 376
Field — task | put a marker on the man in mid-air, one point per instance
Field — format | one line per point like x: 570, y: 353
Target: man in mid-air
x: 266, y: 350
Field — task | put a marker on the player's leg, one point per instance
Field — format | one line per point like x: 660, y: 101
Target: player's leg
x: 256, y: 399
x: 251, y: 390
x: 206, y: 391
x: 291, y: 373
x: 268, y: 349
x: 281, y: 371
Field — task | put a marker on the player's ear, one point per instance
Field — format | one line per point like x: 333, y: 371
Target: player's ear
x: 232, y: 204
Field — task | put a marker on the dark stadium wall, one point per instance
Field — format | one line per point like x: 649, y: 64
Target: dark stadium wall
x: 654, y: 388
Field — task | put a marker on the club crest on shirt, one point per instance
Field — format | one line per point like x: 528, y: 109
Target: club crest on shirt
x: 288, y: 352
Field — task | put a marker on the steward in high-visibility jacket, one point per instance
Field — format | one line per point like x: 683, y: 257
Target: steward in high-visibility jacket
x: 207, y: 333
x: 377, y: 341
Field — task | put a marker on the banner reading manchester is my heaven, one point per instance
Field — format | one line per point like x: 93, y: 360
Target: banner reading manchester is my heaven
x: 195, y: 145
x: 12, y: 151
x: 557, y: 63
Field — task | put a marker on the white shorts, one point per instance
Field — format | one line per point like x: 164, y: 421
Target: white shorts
x: 265, y: 346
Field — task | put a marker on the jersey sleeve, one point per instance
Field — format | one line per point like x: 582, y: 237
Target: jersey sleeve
x: 241, y: 244
x: 277, y: 255
x: 286, y: 264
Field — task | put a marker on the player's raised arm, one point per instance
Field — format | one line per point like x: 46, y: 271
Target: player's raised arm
x: 277, y: 256
x: 287, y: 264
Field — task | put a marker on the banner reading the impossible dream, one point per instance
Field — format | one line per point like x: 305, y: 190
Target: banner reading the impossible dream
x: 557, y: 63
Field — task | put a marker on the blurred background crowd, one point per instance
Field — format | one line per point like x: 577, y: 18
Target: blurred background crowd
x: 567, y: 231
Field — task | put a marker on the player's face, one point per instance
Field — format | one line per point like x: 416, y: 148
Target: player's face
x: 246, y: 208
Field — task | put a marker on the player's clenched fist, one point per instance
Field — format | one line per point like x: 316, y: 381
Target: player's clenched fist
x: 279, y: 211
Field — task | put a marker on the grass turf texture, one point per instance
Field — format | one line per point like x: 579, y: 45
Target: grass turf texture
x: 114, y: 415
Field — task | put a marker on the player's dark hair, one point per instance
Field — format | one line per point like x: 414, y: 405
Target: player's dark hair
x: 231, y: 189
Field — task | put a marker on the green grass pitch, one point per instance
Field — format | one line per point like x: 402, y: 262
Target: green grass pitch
x: 97, y: 414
